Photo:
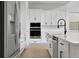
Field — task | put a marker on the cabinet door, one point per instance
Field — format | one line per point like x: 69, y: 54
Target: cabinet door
x: 35, y: 15
x: 50, y: 46
x: 44, y: 37
x: 48, y: 18
x: 54, y: 17
x: 31, y: 15
x: 63, y: 51
x: 43, y: 20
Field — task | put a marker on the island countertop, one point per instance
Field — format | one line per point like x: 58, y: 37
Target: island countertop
x: 71, y: 36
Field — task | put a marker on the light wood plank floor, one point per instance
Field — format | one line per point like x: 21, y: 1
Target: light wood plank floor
x: 36, y: 50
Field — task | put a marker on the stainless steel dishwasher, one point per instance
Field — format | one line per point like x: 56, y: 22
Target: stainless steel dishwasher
x: 55, y: 47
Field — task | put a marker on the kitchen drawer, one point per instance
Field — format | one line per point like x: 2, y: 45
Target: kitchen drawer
x: 63, y: 49
x: 62, y: 42
x: 50, y: 47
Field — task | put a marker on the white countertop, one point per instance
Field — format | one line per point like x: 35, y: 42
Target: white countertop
x: 71, y: 36
x: 53, y: 31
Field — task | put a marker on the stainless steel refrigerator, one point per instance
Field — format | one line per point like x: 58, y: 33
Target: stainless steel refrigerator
x: 9, y: 28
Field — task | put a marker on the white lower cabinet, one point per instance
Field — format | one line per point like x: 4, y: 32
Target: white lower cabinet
x: 74, y: 50
x: 63, y: 49
x: 50, y: 47
x: 61, y: 46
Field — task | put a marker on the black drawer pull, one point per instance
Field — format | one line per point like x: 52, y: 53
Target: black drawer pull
x: 61, y: 54
x: 50, y: 45
x: 61, y: 43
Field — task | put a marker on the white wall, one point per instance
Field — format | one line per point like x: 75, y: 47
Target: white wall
x: 24, y: 24
x: 74, y: 17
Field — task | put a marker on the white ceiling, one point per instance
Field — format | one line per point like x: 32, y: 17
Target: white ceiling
x: 73, y: 7
x: 48, y: 1
x: 47, y: 5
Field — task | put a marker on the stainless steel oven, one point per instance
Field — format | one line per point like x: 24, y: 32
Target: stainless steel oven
x: 35, y: 30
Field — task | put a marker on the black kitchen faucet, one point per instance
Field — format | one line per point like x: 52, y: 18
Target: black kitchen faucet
x: 62, y: 25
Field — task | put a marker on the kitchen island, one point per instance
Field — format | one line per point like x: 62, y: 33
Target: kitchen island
x: 68, y: 45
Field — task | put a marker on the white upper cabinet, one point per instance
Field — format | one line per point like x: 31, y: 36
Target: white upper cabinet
x: 54, y: 17
x: 48, y: 17
x: 34, y: 15
x: 43, y: 19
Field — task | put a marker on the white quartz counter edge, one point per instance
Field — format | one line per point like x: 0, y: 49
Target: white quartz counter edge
x: 72, y: 37
x: 66, y: 39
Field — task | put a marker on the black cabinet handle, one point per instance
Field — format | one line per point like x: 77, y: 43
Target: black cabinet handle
x: 61, y: 54
x: 50, y: 45
x: 15, y: 39
x: 61, y: 43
